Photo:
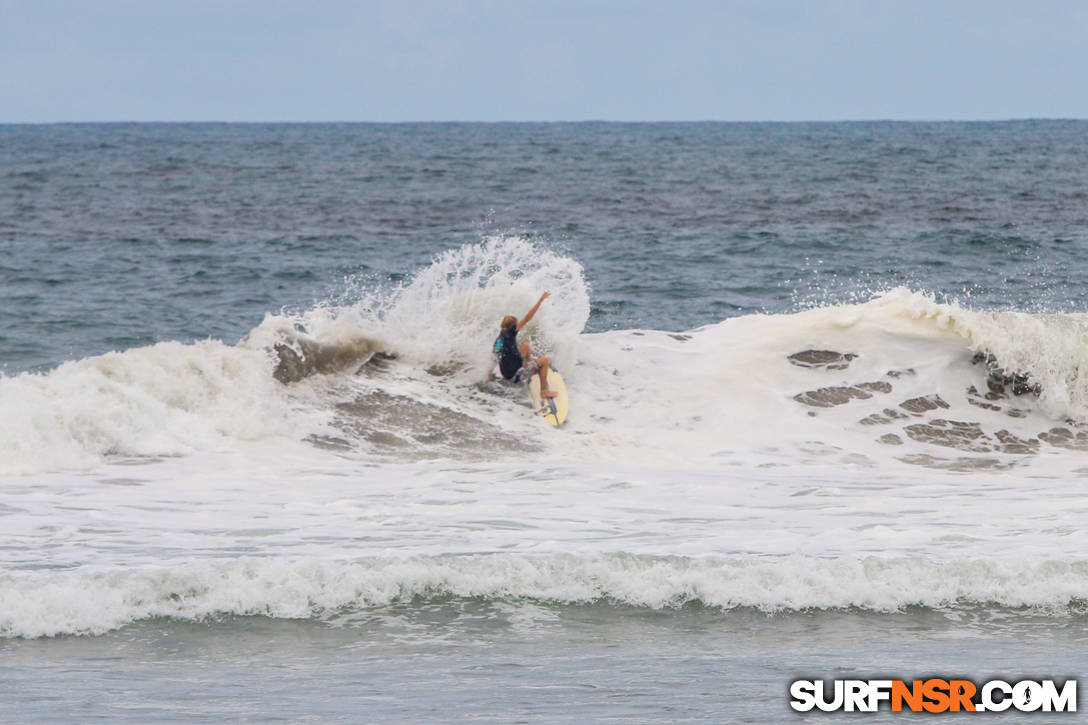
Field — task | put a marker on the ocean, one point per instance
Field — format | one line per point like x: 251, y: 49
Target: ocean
x: 829, y: 418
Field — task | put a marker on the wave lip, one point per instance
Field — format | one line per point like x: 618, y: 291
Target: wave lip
x: 46, y: 604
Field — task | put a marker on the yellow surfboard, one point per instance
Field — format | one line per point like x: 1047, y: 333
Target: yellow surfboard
x: 553, y: 410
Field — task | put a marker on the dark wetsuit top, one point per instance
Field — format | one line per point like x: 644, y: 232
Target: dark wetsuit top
x: 506, y: 347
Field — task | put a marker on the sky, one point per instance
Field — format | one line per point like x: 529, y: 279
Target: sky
x: 550, y: 60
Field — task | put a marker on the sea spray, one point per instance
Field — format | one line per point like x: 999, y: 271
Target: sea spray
x: 449, y: 311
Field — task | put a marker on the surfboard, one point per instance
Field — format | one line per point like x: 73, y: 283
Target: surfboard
x: 553, y: 410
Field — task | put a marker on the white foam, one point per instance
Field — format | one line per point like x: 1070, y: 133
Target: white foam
x: 730, y: 387
x: 721, y: 393
x: 687, y: 472
x: 165, y: 399
x: 50, y: 604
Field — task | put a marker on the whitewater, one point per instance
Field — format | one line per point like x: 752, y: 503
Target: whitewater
x: 771, y: 461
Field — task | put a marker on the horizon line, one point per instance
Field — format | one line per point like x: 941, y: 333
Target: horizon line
x: 1016, y: 119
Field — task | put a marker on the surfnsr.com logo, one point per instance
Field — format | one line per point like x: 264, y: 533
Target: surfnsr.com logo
x: 933, y: 695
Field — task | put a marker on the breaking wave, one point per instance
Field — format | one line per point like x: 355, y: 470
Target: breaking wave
x: 56, y: 603
x: 404, y: 373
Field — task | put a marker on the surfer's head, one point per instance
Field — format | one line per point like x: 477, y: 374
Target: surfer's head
x: 508, y: 322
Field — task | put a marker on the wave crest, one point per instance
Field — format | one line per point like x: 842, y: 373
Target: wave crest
x: 50, y: 604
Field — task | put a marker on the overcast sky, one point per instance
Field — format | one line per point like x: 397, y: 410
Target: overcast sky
x: 435, y: 60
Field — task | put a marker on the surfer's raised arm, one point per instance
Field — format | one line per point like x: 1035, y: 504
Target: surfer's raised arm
x: 530, y: 313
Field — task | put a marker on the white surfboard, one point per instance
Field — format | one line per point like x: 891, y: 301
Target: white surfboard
x: 553, y: 410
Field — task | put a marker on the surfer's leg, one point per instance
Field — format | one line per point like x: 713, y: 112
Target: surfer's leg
x: 545, y: 366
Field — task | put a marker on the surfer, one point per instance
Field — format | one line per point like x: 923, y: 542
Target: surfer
x: 516, y: 362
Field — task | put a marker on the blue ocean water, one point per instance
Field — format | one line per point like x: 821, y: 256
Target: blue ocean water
x: 124, y: 234
x: 827, y: 417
